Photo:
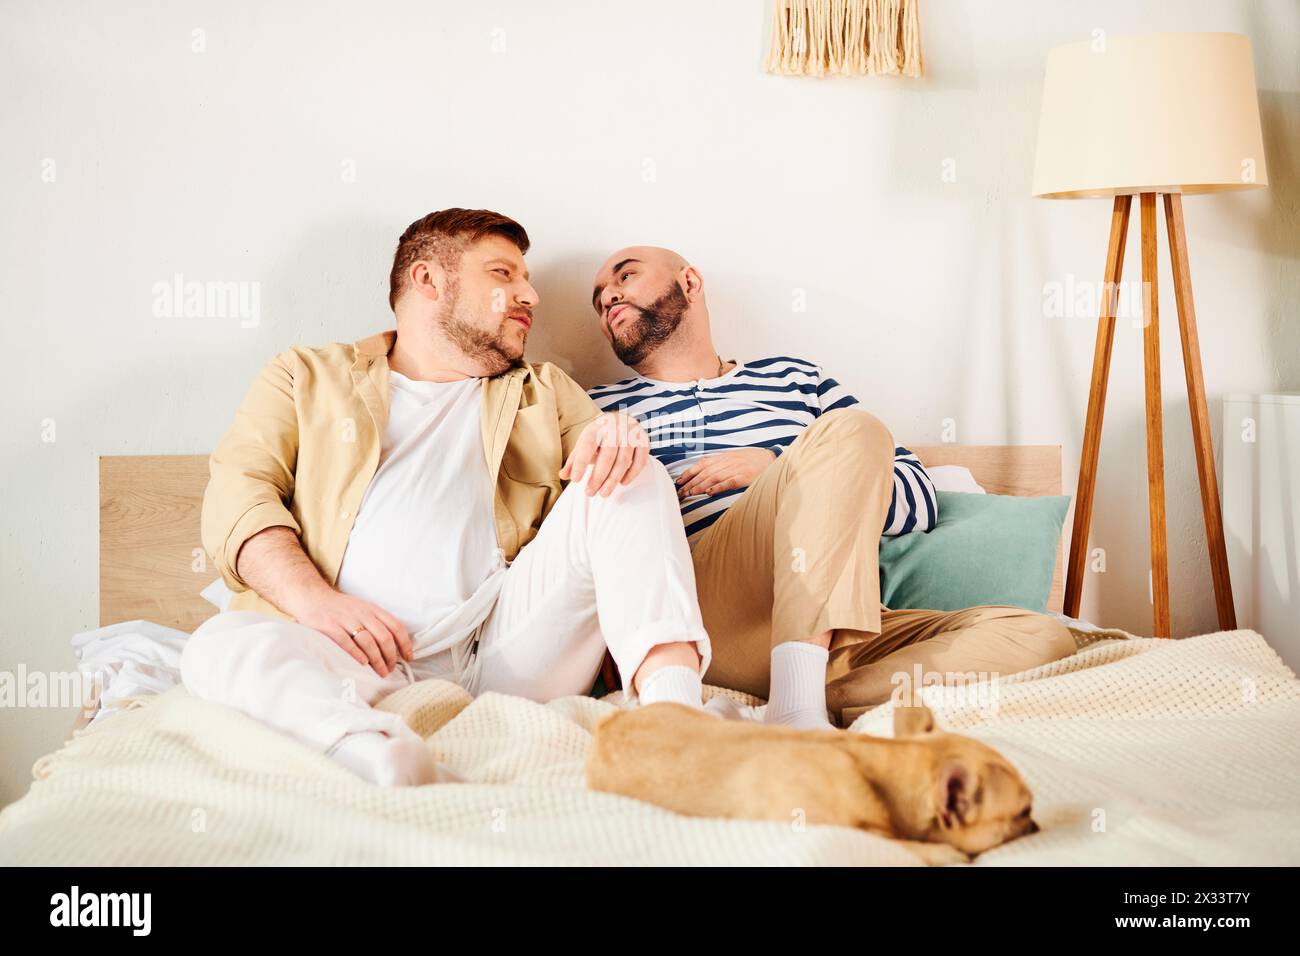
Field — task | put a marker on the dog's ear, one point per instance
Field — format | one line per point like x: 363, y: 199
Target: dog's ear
x: 956, y: 791
x: 912, y: 721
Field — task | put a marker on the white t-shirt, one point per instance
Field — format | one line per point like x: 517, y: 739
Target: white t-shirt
x: 423, y: 545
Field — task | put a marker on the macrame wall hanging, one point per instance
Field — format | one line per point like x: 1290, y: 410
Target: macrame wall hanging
x: 846, y: 37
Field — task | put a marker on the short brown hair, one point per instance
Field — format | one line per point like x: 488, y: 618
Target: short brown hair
x: 444, y: 235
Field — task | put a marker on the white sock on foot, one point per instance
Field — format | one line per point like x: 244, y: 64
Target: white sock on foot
x: 798, y: 694
x: 386, y: 761
x: 676, y: 683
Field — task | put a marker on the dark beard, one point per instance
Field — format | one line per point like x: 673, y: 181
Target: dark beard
x: 489, y: 350
x: 651, y: 328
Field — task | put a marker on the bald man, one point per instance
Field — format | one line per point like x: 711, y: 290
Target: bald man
x: 786, y: 486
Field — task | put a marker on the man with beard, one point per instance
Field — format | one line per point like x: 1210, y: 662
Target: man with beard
x: 786, y: 486
x: 424, y: 503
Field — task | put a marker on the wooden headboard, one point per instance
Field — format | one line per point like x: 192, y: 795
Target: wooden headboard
x: 151, y: 559
x: 152, y: 564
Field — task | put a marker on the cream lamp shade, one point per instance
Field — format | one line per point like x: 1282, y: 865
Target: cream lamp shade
x: 1160, y: 113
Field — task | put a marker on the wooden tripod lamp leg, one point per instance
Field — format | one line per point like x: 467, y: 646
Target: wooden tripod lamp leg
x: 1199, y: 413
x: 1096, y: 405
x: 1155, y: 431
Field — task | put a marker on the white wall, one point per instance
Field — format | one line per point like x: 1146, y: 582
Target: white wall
x: 925, y: 296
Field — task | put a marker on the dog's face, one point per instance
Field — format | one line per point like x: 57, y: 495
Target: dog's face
x: 979, y: 799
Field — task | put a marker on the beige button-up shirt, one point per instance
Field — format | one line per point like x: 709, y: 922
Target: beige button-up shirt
x: 306, y: 441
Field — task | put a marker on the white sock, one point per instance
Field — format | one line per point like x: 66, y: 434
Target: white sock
x: 676, y: 683
x: 798, y: 694
x: 387, y: 761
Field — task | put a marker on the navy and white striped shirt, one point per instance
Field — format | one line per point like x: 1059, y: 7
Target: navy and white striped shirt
x: 761, y: 404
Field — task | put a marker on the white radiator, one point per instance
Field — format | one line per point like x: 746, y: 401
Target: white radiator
x: 1261, y: 515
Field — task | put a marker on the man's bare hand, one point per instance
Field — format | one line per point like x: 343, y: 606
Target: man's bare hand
x: 615, y: 446
x: 724, y: 470
x: 337, y: 615
x: 273, y: 563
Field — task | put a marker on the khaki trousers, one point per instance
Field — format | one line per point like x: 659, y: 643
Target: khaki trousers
x: 796, y: 555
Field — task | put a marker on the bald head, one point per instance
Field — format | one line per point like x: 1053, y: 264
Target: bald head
x: 645, y: 296
x: 653, y: 258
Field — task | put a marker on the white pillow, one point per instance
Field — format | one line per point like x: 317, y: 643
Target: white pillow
x: 218, y: 594
x: 954, y: 478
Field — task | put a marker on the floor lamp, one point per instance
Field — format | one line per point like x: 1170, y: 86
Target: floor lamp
x: 1156, y: 117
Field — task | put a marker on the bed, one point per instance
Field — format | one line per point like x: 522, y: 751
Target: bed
x: 1138, y: 750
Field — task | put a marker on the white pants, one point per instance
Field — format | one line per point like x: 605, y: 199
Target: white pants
x: 610, y: 572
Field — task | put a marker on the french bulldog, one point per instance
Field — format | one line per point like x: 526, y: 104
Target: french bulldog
x: 944, y: 796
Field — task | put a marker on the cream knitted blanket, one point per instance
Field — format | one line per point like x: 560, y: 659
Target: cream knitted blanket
x: 1138, y: 752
